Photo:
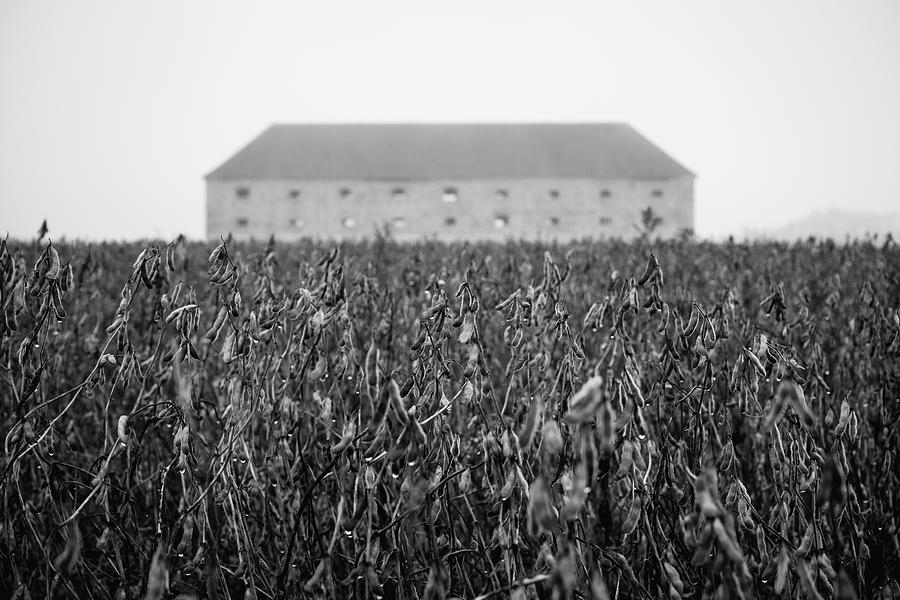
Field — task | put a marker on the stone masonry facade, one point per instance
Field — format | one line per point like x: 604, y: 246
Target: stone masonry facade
x: 496, y: 209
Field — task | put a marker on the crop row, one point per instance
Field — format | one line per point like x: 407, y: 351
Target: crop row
x: 606, y: 420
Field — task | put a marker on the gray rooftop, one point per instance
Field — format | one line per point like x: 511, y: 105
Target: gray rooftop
x: 417, y: 152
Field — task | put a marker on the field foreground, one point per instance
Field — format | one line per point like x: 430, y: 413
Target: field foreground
x: 599, y: 420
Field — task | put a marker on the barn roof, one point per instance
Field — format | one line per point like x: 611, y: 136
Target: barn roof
x: 415, y: 152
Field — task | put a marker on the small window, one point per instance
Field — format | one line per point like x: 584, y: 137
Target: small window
x: 605, y: 221
x: 296, y: 223
x: 345, y: 192
x: 605, y: 193
x: 399, y: 194
x: 399, y: 222
x: 657, y: 193
x: 450, y: 195
x: 554, y: 221
x: 294, y: 194
x: 348, y: 222
x: 242, y: 192
x: 242, y: 222
x: 450, y: 221
x: 554, y: 194
x: 501, y: 222
x: 502, y: 194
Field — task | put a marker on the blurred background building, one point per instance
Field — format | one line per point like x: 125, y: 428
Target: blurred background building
x: 450, y: 182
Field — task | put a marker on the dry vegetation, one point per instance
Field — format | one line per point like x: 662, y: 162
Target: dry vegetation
x: 603, y: 420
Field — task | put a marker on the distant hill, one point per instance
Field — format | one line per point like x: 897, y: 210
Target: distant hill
x: 838, y: 225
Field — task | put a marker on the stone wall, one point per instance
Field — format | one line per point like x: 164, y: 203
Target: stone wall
x: 446, y: 210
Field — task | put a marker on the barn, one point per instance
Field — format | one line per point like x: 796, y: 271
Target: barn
x: 448, y: 182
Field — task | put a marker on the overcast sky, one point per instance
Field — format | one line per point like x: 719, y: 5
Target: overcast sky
x: 112, y: 112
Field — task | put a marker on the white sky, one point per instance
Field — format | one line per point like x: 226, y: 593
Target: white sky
x: 112, y: 112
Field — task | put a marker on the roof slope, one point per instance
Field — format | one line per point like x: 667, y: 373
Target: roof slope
x: 412, y: 152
